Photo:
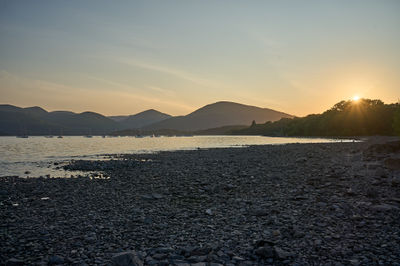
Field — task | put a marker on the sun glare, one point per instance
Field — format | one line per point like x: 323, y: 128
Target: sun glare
x: 355, y: 98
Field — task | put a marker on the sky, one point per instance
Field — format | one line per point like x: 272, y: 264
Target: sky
x: 123, y: 57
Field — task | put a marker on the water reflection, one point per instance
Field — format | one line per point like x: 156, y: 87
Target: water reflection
x: 41, y: 156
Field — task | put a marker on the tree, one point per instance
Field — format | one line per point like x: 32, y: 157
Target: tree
x: 396, y: 120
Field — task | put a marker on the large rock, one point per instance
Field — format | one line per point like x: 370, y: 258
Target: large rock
x: 128, y: 258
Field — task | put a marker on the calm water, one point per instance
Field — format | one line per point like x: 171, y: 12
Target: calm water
x: 38, y: 154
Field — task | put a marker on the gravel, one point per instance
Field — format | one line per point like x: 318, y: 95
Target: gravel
x: 296, y: 204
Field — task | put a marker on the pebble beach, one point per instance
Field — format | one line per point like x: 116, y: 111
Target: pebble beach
x: 294, y: 204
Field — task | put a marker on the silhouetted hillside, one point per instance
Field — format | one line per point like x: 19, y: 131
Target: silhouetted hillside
x: 118, y: 118
x: 225, y: 130
x: 143, y: 119
x: 346, y: 118
x: 37, y: 121
x: 217, y: 115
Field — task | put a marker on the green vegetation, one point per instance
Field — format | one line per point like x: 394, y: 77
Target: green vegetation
x: 364, y: 117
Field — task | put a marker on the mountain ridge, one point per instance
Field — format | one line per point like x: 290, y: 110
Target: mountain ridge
x: 37, y: 121
x: 218, y: 114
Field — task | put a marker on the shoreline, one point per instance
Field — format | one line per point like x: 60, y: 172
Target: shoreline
x: 264, y: 204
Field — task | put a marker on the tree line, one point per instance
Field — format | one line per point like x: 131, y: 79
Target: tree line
x: 364, y: 117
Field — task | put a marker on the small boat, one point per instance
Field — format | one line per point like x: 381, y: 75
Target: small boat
x: 23, y: 136
x: 60, y: 136
x: 88, y: 136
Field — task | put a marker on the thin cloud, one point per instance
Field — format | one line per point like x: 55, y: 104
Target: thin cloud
x: 22, y: 88
x: 181, y: 74
x: 127, y: 88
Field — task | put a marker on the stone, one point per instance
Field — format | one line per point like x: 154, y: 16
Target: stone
x: 260, y: 212
x: 276, y: 233
x: 393, y: 163
x: 127, y: 258
x: 265, y: 252
x: 282, y: 254
x: 383, y: 207
x: 354, y: 262
x: 380, y: 172
x: 199, y: 264
x: 14, y: 262
x: 56, y: 260
x: 301, y: 160
x: 372, y: 193
x: 395, y: 182
x: 157, y: 196
x: 160, y: 256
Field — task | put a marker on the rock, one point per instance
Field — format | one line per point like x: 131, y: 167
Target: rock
x: 276, y: 233
x: 148, y: 197
x: 160, y: 256
x: 373, y: 166
x: 260, y: 212
x: 350, y: 192
x: 301, y: 160
x: 372, y: 193
x: 380, y: 172
x: 195, y: 259
x: 14, y: 262
x: 395, y: 182
x: 128, y: 258
x: 265, y: 251
x: 199, y: 264
x: 392, y: 163
x: 281, y: 254
x: 56, y: 260
x: 317, y: 242
x: 157, y: 196
x: 383, y: 207
x: 354, y: 262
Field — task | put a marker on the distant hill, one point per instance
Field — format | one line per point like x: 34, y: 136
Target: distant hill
x: 217, y: 118
x: 218, y: 115
x: 37, y: 121
x: 225, y: 130
x: 141, y: 119
x: 118, y: 118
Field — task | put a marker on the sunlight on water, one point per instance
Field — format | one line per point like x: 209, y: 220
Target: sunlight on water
x: 37, y: 154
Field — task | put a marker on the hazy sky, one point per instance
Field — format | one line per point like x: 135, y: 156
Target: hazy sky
x: 122, y: 57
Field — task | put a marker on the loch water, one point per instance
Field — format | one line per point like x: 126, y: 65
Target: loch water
x: 39, y: 156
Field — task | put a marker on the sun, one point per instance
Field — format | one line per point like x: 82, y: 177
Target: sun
x: 355, y: 98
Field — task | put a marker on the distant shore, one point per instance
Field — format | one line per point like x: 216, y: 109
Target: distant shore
x: 273, y: 204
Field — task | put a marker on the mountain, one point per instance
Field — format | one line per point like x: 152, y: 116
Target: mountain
x: 118, y: 118
x: 218, y: 115
x: 37, y: 121
x: 142, y: 119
